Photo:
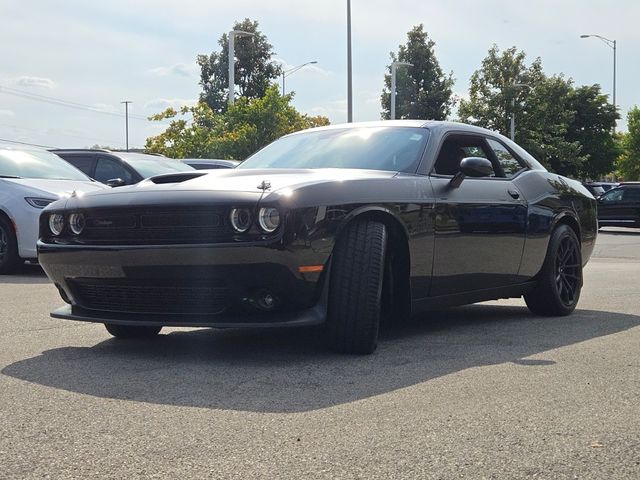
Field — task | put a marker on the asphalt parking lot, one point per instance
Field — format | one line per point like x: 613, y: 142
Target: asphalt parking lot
x: 484, y: 391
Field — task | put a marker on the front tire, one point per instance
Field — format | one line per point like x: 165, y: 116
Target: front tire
x: 132, y: 331
x: 355, y: 289
x: 9, y: 258
x: 560, y: 280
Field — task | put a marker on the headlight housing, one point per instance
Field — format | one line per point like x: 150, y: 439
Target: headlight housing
x: 269, y: 219
x: 76, y: 223
x: 56, y: 223
x: 240, y: 219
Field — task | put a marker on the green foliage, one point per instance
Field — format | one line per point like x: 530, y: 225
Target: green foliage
x: 568, y: 129
x: 628, y: 164
x: 422, y: 91
x: 247, y: 126
x: 254, y: 69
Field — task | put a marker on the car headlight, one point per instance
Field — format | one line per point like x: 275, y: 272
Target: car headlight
x: 39, y: 202
x: 76, y: 223
x: 56, y: 223
x: 240, y: 219
x: 269, y: 219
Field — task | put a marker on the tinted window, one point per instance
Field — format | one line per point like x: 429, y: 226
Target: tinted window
x: 375, y: 148
x: 108, y: 169
x: 454, y: 149
x: 510, y: 166
x: 613, y: 196
x: 81, y: 162
x: 37, y: 164
x: 632, y: 194
x: 150, y: 165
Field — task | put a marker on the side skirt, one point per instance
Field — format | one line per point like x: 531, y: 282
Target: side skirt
x: 433, y: 303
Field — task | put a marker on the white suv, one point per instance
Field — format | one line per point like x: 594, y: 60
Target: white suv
x: 30, y: 179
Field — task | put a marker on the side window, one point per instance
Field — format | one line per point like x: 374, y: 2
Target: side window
x: 108, y: 169
x: 84, y: 163
x: 613, y: 196
x: 632, y: 195
x: 454, y: 149
x: 509, y: 164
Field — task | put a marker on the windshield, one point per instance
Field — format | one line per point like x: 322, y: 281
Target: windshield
x: 150, y: 165
x: 396, y: 149
x: 37, y: 164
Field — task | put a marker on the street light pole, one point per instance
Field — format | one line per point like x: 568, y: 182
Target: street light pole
x: 513, y: 109
x: 232, y: 60
x: 126, y: 121
x: 394, y: 67
x: 349, y: 74
x: 293, y: 70
x: 614, y: 45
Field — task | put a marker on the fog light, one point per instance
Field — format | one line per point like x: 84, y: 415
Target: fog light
x: 76, y: 222
x: 266, y: 300
x: 56, y: 223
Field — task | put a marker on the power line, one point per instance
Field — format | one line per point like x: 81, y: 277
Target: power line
x: 25, y: 143
x: 63, y: 103
x: 60, y: 133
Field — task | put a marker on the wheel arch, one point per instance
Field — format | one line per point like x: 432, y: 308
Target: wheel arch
x: 566, y: 218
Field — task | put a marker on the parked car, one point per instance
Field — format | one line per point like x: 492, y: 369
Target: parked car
x: 598, y: 188
x: 30, y: 179
x: 117, y: 169
x: 338, y: 225
x: 620, y: 207
x: 210, y: 163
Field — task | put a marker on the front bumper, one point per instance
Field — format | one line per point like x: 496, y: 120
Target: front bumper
x: 187, y: 285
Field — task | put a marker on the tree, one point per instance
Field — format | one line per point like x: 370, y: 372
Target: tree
x: 254, y: 68
x: 423, y: 91
x: 628, y: 163
x: 247, y: 126
x: 594, y: 119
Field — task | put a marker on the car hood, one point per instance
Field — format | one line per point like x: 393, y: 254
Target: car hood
x: 56, y: 189
x: 219, y: 186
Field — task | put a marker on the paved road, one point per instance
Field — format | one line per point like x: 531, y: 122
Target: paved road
x: 485, y: 391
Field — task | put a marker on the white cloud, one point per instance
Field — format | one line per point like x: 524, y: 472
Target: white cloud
x: 105, y: 107
x: 6, y: 113
x: 180, y: 69
x: 163, y: 103
x: 39, y: 82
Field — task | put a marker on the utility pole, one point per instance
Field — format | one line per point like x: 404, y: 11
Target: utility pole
x: 126, y: 120
x: 613, y: 44
x: 349, y: 75
x: 293, y: 70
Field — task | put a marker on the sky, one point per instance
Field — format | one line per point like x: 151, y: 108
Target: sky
x: 97, y: 54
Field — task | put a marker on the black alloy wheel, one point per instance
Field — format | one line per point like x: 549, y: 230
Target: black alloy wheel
x: 8, y: 247
x: 560, y: 280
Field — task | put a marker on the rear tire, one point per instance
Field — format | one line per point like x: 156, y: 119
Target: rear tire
x: 560, y: 280
x: 355, y: 289
x: 132, y: 331
x: 9, y: 258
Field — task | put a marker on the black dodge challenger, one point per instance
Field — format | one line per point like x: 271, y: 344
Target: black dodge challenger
x: 341, y: 225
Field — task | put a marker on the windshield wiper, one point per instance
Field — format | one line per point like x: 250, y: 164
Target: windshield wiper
x: 9, y: 176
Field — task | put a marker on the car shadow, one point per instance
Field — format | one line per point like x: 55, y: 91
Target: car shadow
x: 26, y: 273
x: 290, y: 370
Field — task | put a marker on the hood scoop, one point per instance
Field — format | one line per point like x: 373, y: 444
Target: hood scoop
x: 176, y: 177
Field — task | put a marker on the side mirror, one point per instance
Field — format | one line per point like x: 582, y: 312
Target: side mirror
x: 115, y: 182
x: 476, y: 167
x: 472, y: 167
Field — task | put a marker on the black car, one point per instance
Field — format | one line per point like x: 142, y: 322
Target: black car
x: 620, y: 207
x: 117, y: 169
x: 339, y: 225
x: 598, y: 188
x: 210, y: 163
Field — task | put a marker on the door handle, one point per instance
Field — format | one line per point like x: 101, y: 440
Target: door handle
x: 514, y: 194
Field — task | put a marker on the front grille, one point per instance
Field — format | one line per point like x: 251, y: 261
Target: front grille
x: 190, y: 225
x: 148, y: 296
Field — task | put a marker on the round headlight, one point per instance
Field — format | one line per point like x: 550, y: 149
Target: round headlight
x: 269, y: 219
x: 56, y: 223
x: 76, y: 223
x: 240, y: 219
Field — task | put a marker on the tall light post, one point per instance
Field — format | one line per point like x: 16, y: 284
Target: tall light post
x: 349, y: 75
x: 126, y: 121
x: 513, y: 108
x: 611, y: 44
x: 394, y: 67
x: 293, y: 70
x: 232, y: 60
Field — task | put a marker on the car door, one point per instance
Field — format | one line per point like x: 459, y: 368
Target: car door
x: 479, y: 226
x: 618, y: 206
